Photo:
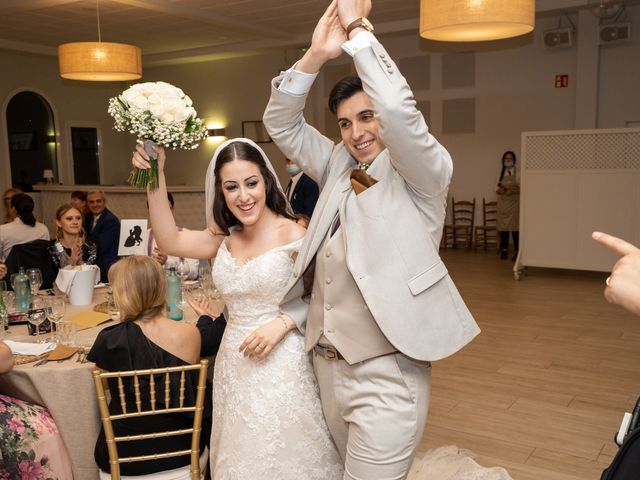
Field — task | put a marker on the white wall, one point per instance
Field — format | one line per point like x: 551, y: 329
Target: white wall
x: 70, y: 101
x: 619, y: 89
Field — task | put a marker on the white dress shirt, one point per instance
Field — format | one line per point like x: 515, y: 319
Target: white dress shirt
x: 16, y: 232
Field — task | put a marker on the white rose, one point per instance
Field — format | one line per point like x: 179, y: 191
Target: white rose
x: 182, y: 114
x: 140, y: 102
x: 166, y: 117
x: 157, y: 109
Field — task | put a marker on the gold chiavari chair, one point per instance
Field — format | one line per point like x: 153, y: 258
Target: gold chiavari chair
x: 137, y: 411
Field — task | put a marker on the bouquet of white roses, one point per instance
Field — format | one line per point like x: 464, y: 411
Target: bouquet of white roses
x: 162, y: 115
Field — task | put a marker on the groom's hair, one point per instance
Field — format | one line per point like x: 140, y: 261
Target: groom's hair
x: 275, y: 199
x: 344, y: 89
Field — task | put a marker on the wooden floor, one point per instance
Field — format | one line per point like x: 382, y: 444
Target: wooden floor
x: 541, y: 391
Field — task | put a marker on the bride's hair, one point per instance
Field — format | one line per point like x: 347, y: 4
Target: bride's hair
x: 275, y: 199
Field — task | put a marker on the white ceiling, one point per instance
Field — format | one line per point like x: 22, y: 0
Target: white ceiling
x: 176, y: 31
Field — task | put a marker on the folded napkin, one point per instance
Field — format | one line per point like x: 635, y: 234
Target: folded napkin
x: 65, y: 277
x: 62, y: 352
x: 89, y: 319
x: 24, y: 348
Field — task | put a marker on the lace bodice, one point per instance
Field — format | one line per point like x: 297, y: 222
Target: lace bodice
x: 252, y: 291
x: 268, y: 420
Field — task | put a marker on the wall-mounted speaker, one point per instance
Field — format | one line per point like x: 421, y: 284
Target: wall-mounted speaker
x: 558, y: 38
x: 614, y: 33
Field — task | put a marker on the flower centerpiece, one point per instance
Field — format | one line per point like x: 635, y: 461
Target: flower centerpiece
x: 161, y: 114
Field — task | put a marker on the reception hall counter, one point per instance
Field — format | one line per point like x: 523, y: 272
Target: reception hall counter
x: 123, y: 201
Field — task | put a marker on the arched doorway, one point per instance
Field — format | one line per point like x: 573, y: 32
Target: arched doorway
x: 32, y: 139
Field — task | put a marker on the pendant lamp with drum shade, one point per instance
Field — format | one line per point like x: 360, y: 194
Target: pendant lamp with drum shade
x: 99, y: 61
x: 475, y: 20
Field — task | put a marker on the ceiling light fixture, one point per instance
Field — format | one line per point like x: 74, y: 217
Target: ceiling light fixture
x: 475, y: 20
x: 99, y: 61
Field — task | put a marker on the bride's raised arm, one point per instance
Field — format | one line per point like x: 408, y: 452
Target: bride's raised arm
x: 201, y: 244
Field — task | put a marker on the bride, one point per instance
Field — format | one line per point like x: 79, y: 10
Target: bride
x: 267, y: 417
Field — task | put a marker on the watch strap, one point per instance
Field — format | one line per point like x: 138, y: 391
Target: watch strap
x: 359, y: 22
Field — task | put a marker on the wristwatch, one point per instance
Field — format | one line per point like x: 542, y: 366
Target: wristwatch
x: 361, y: 22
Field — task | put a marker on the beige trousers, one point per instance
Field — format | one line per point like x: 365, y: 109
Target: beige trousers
x: 376, y: 411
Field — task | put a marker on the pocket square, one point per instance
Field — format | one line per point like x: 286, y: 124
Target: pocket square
x: 361, y: 180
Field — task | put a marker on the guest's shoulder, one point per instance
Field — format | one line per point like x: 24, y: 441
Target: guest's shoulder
x: 185, y: 340
x: 111, y: 331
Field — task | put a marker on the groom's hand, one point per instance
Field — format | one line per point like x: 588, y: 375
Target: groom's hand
x: 350, y: 10
x: 326, y: 42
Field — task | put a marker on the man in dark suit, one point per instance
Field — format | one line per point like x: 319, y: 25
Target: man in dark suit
x: 302, y: 192
x: 104, y: 229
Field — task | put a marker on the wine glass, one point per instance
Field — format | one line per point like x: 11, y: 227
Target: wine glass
x: 204, y: 271
x: 183, y: 269
x: 35, y: 279
x: 37, y: 315
x: 56, y: 312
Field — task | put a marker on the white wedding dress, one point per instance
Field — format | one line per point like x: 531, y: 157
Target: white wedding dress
x: 267, y: 416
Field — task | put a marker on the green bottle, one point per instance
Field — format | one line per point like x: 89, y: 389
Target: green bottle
x: 22, y: 289
x: 174, y: 295
x: 4, y: 314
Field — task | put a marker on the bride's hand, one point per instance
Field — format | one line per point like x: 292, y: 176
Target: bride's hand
x: 264, y: 339
x: 140, y: 159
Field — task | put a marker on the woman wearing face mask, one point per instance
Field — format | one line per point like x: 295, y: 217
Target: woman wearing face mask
x: 508, y: 215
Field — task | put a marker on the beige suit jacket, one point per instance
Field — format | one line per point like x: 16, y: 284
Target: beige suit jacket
x: 393, y: 229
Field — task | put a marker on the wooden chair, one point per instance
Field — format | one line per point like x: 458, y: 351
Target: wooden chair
x: 137, y: 411
x: 487, y: 233
x: 460, y: 231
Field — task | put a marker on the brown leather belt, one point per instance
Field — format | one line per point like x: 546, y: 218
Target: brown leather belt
x: 328, y: 352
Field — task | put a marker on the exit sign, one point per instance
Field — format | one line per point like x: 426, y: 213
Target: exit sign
x: 562, y: 81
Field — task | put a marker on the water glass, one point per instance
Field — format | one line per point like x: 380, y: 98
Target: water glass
x: 67, y: 333
x: 56, y: 307
x: 183, y: 269
x: 204, y: 270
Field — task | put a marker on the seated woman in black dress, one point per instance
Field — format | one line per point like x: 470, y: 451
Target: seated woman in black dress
x: 71, y: 247
x: 146, y: 338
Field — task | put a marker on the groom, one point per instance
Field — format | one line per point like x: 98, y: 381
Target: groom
x: 382, y: 304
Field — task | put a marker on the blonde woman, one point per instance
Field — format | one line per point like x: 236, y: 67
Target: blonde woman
x: 71, y: 247
x: 146, y: 338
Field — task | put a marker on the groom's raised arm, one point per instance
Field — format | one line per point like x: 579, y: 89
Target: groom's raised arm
x: 284, y: 118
